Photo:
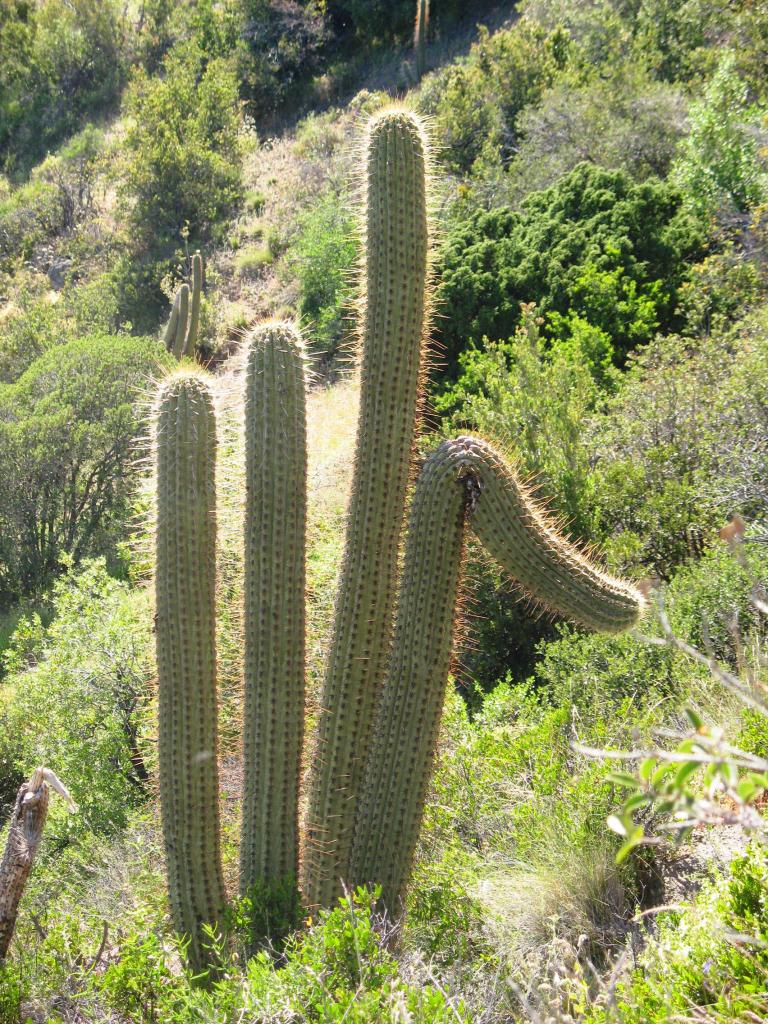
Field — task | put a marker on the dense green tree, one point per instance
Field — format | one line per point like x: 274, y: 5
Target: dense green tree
x: 68, y: 428
x: 596, y: 243
x: 62, y: 62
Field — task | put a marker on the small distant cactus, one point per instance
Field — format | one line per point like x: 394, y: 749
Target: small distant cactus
x: 420, y: 32
x: 386, y: 674
x: 180, y: 334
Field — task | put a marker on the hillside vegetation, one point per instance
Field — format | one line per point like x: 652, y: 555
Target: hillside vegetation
x: 600, y: 222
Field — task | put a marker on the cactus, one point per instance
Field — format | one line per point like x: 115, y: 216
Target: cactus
x: 420, y: 36
x: 462, y: 480
x: 169, y: 334
x: 185, y: 586
x: 393, y: 324
x: 180, y: 334
x: 275, y: 528
x: 370, y: 768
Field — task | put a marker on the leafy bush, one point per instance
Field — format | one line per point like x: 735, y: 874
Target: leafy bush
x: 80, y: 707
x: 63, y: 62
x: 476, y: 104
x: 322, y: 257
x: 719, y: 168
x: 68, y: 427
x: 183, y: 166
x: 596, y: 244
x: 709, y: 960
x: 671, y: 467
x: 58, y: 195
x: 625, y: 121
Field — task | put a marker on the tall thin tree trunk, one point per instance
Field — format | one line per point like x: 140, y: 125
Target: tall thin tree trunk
x: 27, y: 822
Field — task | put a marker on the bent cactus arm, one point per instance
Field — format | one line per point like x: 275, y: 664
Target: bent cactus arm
x: 463, y: 480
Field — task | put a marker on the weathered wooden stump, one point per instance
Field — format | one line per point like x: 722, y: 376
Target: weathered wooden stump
x: 27, y: 823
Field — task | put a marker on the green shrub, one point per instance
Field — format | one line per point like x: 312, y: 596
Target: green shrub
x: 183, y: 168
x: 708, y: 960
x: 476, y: 103
x: 322, y: 257
x: 596, y: 244
x: 670, y: 467
x: 624, y: 121
x: 64, y: 61
x: 68, y: 428
x: 720, y: 169
x: 81, y: 708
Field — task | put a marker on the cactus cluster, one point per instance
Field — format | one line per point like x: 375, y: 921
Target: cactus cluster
x: 180, y: 334
x: 390, y: 652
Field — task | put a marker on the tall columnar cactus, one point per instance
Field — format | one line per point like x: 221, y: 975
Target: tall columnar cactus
x: 275, y: 529
x: 420, y: 36
x: 462, y: 480
x: 393, y: 324
x: 180, y: 335
x: 185, y: 586
x: 366, y: 799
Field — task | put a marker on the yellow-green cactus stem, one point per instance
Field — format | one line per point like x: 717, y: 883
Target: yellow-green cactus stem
x: 169, y: 335
x: 392, y: 325
x: 190, y: 339
x: 463, y: 480
x: 420, y: 36
x: 275, y: 580
x: 185, y: 588
x: 182, y: 322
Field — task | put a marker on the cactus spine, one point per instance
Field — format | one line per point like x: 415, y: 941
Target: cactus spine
x: 180, y: 334
x: 463, y: 479
x: 185, y: 443
x: 393, y: 326
x: 275, y: 528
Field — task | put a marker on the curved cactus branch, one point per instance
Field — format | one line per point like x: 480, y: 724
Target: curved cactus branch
x: 462, y: 480
x: 275, y: 528
x: 393, y: 326
x: 185, y: 587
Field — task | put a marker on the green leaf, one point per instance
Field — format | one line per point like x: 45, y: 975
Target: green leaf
x: 615, y: 824
x: 685, y: 772
x: 647, y: 767
x: 624, y: 779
